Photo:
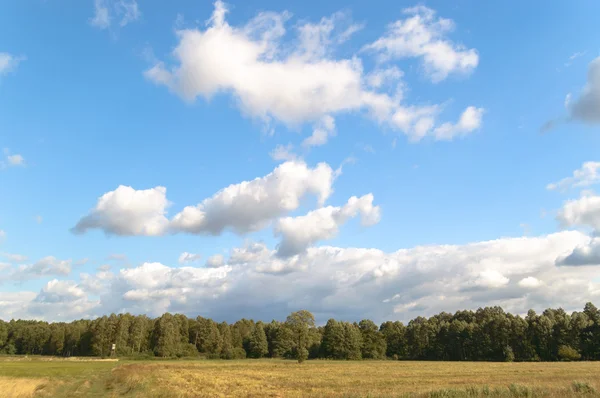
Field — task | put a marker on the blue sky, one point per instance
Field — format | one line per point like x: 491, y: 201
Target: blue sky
x: 90, y: 104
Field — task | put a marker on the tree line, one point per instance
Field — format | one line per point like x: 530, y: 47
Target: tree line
x: 488, y: 334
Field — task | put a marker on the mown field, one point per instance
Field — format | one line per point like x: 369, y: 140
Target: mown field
x: 33, y: 377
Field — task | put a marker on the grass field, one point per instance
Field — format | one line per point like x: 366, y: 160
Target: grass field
x: 275, y: 378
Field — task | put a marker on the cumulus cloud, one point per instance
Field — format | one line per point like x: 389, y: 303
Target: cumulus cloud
x: 186, y: 258
x: 108, y: 11
x: 469, y: 121
x: 283, y: 152
x: 585, y: 254
x: 243, y: 207
x: 11, y: 160
x: 588, y: 174
x: 126, y: 211
x: 584, y: 211
x: 9, y: 62
x: 323, y: 130
x: 530, y: 282
x: 250, y: 205
x: 345, y: 283
x: 586, y: 108
x: 215, y: 261
x: 298, y: 233
x: 301, y: 82
x: 49, y: 265
x: 422, y: 34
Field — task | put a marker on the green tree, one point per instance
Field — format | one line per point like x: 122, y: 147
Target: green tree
x: 300, y: 323
x: 373, y: 342
x: 257, y: 342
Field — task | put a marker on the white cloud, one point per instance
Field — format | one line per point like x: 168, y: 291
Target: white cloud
x: 250, y: 205
x: 9, y: 62
x: 39, y: 219
x: 298, y: 233
x: 323, y: 130
x: 586, y: 108
x: 57, y: 291
x: 15, y: 160
x: 126, y: 211
x: 489, y: 279
x: 283, y: 152
x: 573, y: 57
x: 585, y: 254
x: 186, y: 258
x: 530, y: 282
x: 588, y: 174
x: 105, y: 11
x: 469, y: 121
x: 49, y: 265
x: 295, y: 83
x: 15, y: 258
x: 215, y: 261
x: 345, y: 283
x: 11, y: 160
x: 584, y: 211
x: 2, y: 235
x: 382, y: 77
x: 423, y: 35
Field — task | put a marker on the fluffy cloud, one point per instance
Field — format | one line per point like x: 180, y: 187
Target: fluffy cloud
x: 283, y: 152
x: 423, y: 35
x: 2, y: 235
x: 302, y: 82
x: 126, y: 211
x: 11, y: 160
x: 243, y: 207
x: 345, y: 283
x: 9, y: 62
x: 106, y: 11
x: 530, y: 282
x: 588, y: 174
x: 324, y: 129
x: 298, y: 233
x: 186, y: 257
x: 250, y: 205
x: 584, y: 211
x: 469, y: 121
x: 215, y: 261
x: 49, y: 265
x: 586, y: 254
x: 586, y: 108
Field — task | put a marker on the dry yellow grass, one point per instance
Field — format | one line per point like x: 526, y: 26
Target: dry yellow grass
x: 18, y: 387
x: 272, y: 378
x: 277, y: 378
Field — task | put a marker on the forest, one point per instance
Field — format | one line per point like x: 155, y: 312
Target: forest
x: 488, y: 334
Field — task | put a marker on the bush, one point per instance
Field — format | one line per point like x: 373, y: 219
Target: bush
x: 509, y: 355
x: 187, y: 350
x: 583, y: 388
x: 238, y: 353
x: 566, y: 353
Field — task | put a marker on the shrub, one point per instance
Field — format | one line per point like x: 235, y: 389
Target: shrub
x: 582, y: 388
x: 509, y: 355
x: 566, y: 353
x: 238, y: 353
x: 188, y: 350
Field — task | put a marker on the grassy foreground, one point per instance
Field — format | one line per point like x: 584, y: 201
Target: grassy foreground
x: 275, y: 378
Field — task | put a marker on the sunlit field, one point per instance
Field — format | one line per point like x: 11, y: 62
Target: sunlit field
x: 31, y: 377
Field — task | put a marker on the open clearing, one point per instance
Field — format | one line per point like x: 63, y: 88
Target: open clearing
x: 277, y: 378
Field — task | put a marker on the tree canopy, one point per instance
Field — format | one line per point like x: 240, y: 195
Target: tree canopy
x: 487, y: 334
